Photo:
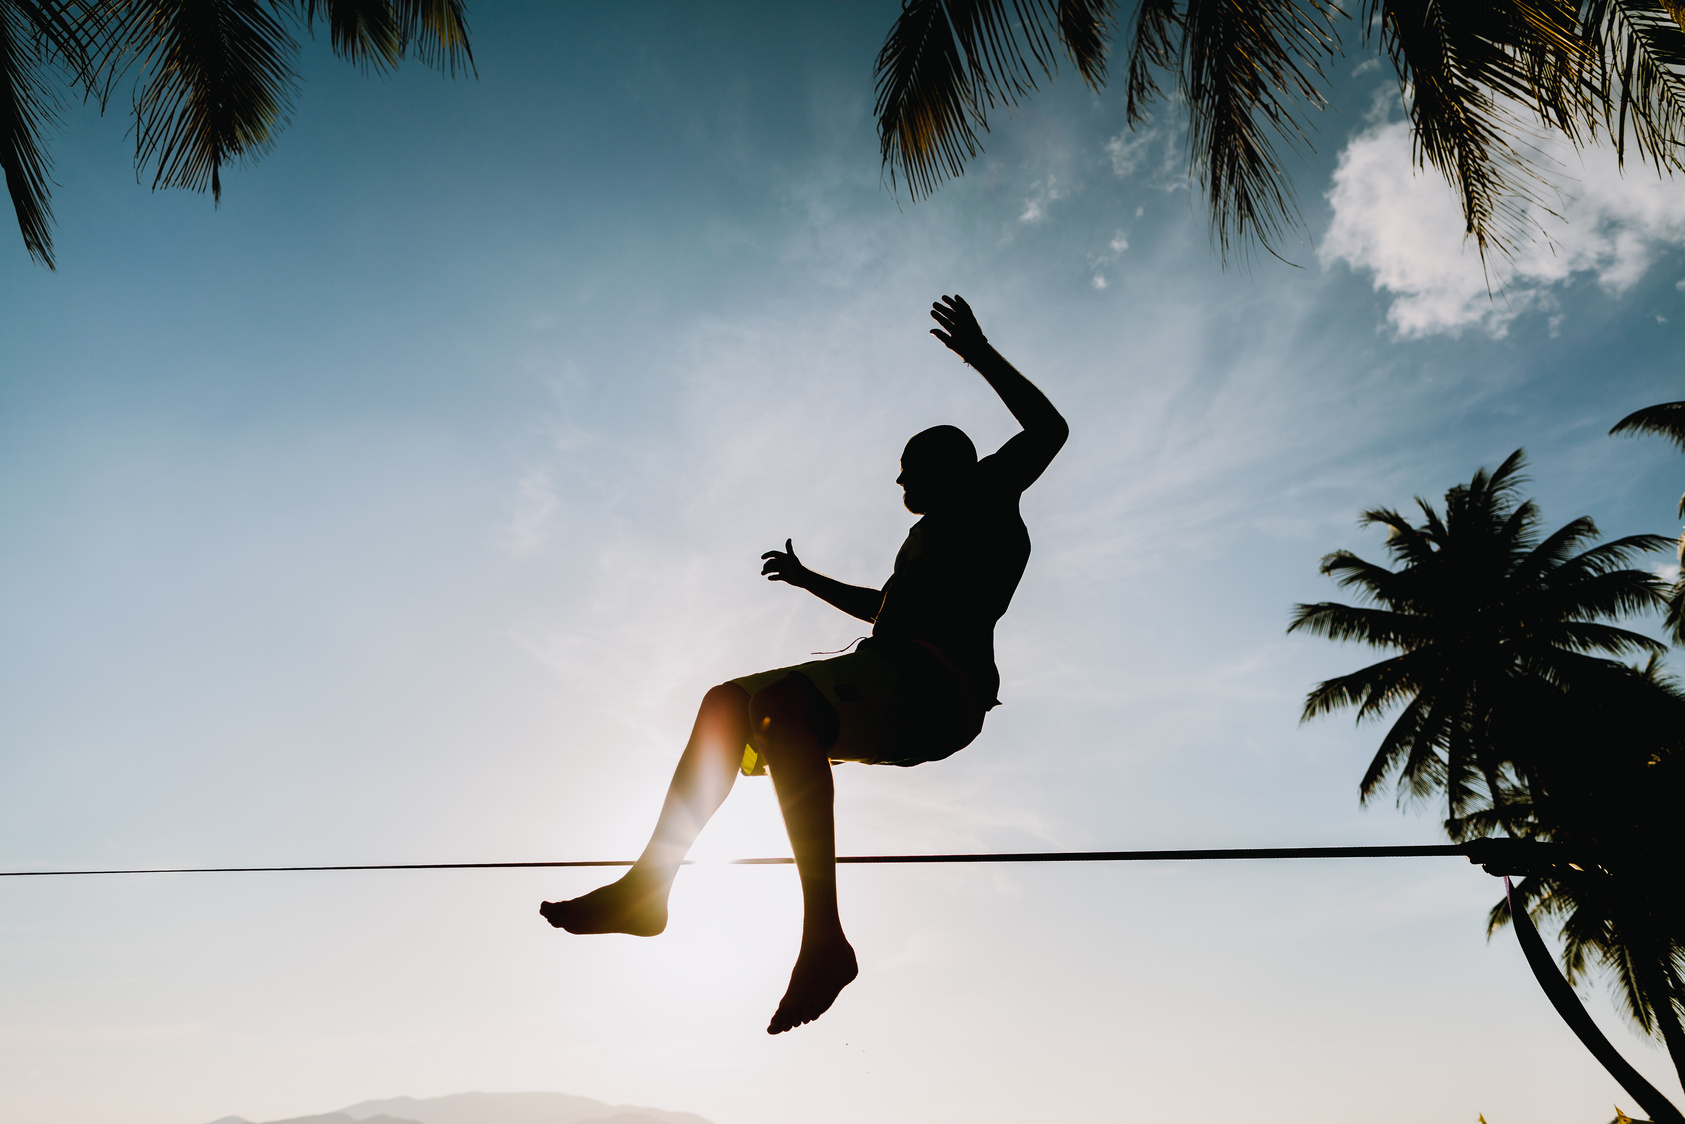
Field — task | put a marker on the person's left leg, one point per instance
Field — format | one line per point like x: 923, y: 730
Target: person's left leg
x: 637, y: 902
x: 785, y: 718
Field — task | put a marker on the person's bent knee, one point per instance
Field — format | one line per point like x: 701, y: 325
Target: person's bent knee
x: 788, y: 703
x: 726, y: 695
x: 789, y: 706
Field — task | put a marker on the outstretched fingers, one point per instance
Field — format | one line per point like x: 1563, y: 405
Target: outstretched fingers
x: 781, y: 565
x: 960, y: 330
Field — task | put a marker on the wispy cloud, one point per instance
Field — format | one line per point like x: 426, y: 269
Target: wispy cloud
x: 1098, y: 260
x: 1154, y: 153
x: 1042, y: 193
x: 530, y: 513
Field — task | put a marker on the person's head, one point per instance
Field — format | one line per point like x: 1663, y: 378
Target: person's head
x: 936, y: 465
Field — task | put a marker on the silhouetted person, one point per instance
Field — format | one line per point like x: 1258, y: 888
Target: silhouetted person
x: 915, y: 691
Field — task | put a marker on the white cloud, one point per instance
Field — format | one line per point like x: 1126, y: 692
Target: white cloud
x: 1042, y: 192
x: 1098, y: 281
x: 1405, y: 227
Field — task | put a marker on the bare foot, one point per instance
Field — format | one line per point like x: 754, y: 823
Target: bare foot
x: 636, y: 904
x: 824, y: 967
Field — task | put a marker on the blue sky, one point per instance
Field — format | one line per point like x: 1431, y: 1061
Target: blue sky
x: 403, y: 508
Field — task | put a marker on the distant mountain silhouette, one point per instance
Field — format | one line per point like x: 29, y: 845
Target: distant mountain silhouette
x: 515, y: 1108
x: 489, y: 1108
x: 328, y: 1118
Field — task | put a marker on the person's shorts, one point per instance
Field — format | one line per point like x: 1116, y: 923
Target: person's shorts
x: 896, y: 703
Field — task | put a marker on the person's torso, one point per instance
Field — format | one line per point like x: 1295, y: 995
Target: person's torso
x: 954, y: 578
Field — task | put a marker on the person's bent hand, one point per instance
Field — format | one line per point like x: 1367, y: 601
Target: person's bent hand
x: 784, y: 566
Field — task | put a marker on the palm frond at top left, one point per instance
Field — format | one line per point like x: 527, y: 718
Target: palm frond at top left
x: 219, y: 74
x: 36, y: 38
x: 438, y: 30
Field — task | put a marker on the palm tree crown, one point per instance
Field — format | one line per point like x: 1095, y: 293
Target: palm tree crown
x: 1483, y: 610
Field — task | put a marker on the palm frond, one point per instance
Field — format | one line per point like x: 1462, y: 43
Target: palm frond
x: 1378, y: 628
x: 1246, y: 69
x: 1370, y: 689
x: 1457, y: 65
x: 1507, y: 479
x: 32, y: 32
x: 1433, y: 528
x: 945, y: 64
x: 1607, y: 557
x: 1404, y: 732
x: 1083, y: 32
x: 438, y: 30
x: 1557, y: 549
x: 1152, y: 48
x: 1519, y: 530
x: 1613, y: 594
x: 1675, y: 619
x: 1424, y: 769
x: 1666, y: 419
x: 1349, y: 571
x: 220, y: 75
x: 363, y: 32
x: 1591, y: 636
x: 1640, y: 46
x: 1411, y: 746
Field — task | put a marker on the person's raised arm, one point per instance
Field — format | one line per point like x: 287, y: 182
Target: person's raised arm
x: 855, y: 600
x: 1028, y: 454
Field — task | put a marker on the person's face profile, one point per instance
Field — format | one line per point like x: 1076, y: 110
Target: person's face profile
x: 927, y: 481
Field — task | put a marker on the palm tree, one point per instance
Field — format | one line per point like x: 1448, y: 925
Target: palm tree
x: 1485, y: 611
x: 1513, y: 709
x: 1666, y: 419
x: 213, y: 77
x: 1474, y: 76
x: 1606, y: 779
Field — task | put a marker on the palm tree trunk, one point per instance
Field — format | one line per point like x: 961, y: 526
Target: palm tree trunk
x: 1674, y: 1035
x: 1567, y: 1004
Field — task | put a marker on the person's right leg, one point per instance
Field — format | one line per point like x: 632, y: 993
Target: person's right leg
x: 637, y: 902
x: 787, y: 717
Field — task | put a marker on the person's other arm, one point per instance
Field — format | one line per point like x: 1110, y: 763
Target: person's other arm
x: 1027, y: 455
x: 855, y: 600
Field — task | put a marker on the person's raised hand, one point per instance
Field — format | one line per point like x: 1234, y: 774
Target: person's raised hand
x: 784, y: 566
x: 959, y: 328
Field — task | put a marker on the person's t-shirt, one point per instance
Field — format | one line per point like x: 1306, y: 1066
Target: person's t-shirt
x: 957, y: 571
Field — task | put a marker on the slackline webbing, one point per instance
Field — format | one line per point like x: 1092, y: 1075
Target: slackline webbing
x: 1481, y: 851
